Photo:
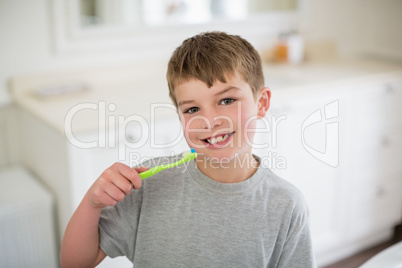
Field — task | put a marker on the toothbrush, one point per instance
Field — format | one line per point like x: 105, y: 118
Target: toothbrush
x: 188, y: 156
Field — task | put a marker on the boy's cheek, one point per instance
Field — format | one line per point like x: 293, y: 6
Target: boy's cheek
x: 249, y: 126
x: 192, y: 135
x: 190, y: 138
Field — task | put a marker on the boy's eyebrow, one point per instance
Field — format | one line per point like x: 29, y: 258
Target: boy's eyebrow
x: 230, y: 88
x: 185, y: 102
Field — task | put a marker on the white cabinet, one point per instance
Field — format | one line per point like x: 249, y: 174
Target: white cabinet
x: 341, y: 145
x: 9, y: 137
x: 375, y: 160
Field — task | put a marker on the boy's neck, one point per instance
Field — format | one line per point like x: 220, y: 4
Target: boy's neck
x: 237, y: 170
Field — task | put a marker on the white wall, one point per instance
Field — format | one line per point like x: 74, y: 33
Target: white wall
x: 27, y: 43
x: 358, y: 26
x: 27, y: 40
x: 24, y: 45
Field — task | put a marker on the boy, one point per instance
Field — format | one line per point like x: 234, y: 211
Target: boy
x: 221, y: 210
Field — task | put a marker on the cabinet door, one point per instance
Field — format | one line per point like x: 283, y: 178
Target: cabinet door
x: 376, y: 153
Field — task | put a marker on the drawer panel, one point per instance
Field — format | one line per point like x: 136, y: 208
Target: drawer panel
x: 378, y: 159
x: 377, y: 105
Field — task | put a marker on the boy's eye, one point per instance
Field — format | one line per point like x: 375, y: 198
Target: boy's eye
x: 227, y: 101
x: 191, y: 110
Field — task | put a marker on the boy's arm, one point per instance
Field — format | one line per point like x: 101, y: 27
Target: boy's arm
x: 80, y: 245
x: 100, y: 257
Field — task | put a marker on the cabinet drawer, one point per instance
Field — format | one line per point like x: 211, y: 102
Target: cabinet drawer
x: 377, y: 105
x: 377, y: 160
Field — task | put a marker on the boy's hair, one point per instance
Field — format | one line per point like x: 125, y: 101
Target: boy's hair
x: 212, y: 56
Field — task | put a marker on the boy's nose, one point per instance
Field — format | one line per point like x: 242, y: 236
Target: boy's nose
x: 211, y: 121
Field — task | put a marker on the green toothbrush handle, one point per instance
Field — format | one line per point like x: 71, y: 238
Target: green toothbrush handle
x: 154, y: 170
x: 150, y: 172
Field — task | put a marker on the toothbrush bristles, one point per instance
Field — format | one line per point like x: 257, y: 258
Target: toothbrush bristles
x: 189, y: 152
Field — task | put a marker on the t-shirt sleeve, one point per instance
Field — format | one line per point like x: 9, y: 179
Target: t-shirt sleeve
x: 118, y: 226
x: 297, y: 250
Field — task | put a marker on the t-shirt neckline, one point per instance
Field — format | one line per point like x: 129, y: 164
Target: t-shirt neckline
x: 226, y: 188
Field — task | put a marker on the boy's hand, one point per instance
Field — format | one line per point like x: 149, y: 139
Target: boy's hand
x: 114, y: 184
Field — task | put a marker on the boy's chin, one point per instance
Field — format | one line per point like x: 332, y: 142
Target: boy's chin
x: 222, y: 156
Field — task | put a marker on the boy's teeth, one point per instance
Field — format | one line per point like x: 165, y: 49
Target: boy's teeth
x: 218, y: 139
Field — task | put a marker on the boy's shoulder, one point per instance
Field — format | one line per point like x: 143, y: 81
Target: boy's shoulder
x: 283, y: 190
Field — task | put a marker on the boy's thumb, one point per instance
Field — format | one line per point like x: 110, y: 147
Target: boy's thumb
x: 141, y: 169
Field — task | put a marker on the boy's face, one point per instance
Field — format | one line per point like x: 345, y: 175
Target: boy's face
x: 219, y: 122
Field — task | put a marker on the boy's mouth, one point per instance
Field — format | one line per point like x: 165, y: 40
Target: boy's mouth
x: 218, y: 139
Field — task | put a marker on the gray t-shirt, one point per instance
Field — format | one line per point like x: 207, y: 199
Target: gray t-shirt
x: 182, y: 218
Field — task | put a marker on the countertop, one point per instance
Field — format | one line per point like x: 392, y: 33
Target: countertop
x: 128, y: 90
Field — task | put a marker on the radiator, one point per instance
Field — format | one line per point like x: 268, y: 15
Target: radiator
x: 27, y: 227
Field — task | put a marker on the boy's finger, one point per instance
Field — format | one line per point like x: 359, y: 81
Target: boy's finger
x: 136, y: 178
x: 108, y: 200
x: 141, y: 169
x: 131, y: 174
x: 124, y: 170
x: 122, y: 183
x: 114, y: 192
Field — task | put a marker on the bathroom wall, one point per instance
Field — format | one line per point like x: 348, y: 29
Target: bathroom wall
x: 27, y: 43
x: 359, y: 26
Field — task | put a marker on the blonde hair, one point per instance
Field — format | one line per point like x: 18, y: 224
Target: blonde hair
x: 213, y: 56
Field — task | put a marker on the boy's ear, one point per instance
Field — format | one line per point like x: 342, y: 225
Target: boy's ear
x: 264, y: 98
